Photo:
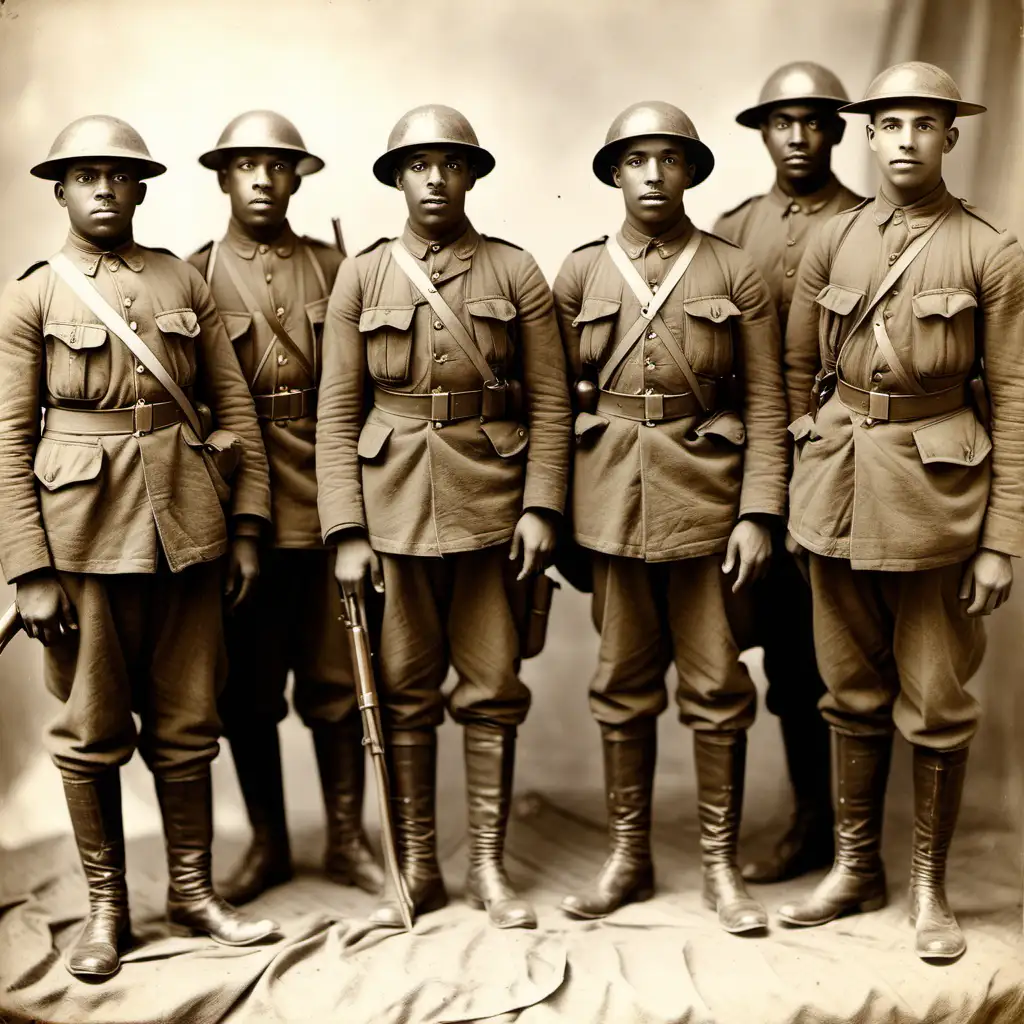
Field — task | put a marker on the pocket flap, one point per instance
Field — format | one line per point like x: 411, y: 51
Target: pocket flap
x: 588, y: 424
x: 60, y: 463
x: 496, y: 308
x: 596, y: 309
x: 725, y: 424
x: 316, y: 311
x: 237, y: 324
x: 838, y: 298
x: 178, y: 321
x: 957, y: 438
x: 373, y: 319
x: 508, y: 437
x: 716, y: 308
x: 803, y: 427
x: 77, y: 336
x: 943, y: 302
x: 372, y: 439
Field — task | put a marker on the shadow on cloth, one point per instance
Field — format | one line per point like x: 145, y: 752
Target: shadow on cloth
x: 662, y: 962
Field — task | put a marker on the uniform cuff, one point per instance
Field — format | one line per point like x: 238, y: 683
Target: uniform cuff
x: 23, y: 562
x: 334, y: 533
x: 247, y: 526
x: 1002, y: 534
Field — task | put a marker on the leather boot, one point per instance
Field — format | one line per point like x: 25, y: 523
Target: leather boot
x: 938, y: 784
x: 95, y: 808
x: 856, y: 883
x: 413, y: 771
x: 721, y: 759
x: 187, y: 809
x: 628, y: 874
x: 808, y: 843
x: 341, y: 759
x: 490, y: 765
x: 256, y: 752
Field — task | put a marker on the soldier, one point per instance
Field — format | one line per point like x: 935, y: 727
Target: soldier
x: 113, y: 529
x: 910, y: 508
x: 271, y: 288
x: 796, y: 115
x: 448, y: 338
x: 678, y: 330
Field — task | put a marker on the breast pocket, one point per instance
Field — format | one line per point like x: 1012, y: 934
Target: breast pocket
x: 77, y: 360
x: 944, y: 331
x: 180, y: 328
x: 388, y: 331
x: 709, y: 323
x: 836, y: 301
x: 596, y: 321
x: 493, y: 320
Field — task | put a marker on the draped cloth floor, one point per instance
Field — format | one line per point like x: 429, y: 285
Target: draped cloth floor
x: 662, y: 962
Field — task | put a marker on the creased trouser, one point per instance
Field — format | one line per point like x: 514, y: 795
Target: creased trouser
x: 896, y: 648
x: 651, y: 614
x: 148, y: 643
x: 451, y: 610
x: 292, y: 622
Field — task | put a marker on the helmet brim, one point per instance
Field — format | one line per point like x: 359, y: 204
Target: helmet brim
x: 215, y: 159
x: 700, y: 155
x: 53, y: 168
x: 753, y: 117
x: 963, y: 108
x: 384, y: 166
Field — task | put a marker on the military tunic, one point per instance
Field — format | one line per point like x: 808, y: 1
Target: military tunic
x: 658, y: 500
x: 441, y: 500
x: 292, y: 621
x: 885, y: 505
x: 131, y: 522
x: 774, y: 230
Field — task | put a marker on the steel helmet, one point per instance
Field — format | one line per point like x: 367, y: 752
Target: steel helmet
x: 653, y: 117
x: 96, y: 136
x: 914, y: 80
x: 801, y: 81
x: 261, y: 129
x: 431, y: 125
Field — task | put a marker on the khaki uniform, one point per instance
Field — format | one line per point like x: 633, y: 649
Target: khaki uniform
x: 292, y: 621
x: 671, y: 491
x: 774, y: 230
x: 901, y: 505
x: 100, y: 508
x: 444, y: 492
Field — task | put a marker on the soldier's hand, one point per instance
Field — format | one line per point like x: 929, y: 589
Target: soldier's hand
x: 987, y: 582
x: 750, y: 544
x: 46, y: 611
x: 535, y: 538
x: 243, y: 571
x: 354, y: 559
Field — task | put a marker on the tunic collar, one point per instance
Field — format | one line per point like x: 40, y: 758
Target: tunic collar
x: 246, y: 246
x: 636, y: 244
x: 463, y: 242
x: 805, y: 204
x: 86, y: 255
x: 918, y: 214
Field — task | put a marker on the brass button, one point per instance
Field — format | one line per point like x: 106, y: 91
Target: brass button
x: 897, y: 217
x: 438, y: 326
x: 649, y: 423
x: 127, y: 303
x: 794, y: 207
x: 877, y: 376
x: 893, y: 257
x: 895, y: 291
x: 650, y: 364
x: 790, y: 272
x: 279, y: 311
x: 282, y: 360
x: 437, y: 424
x: 141, y: 401
x: 887, y: 315
x: 269, y: 278
x: 654, y: 287
x: 435, y: 247
x: 790, y: 241
x: 134, y: 326
x: 113, y: 267
x: 652, y: 335
x: 140, y: 368
x: 435, y: 275
x: 264, y: 248
x: 49, y: 476
x: 521, y: 432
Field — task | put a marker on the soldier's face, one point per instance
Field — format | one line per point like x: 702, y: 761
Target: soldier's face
x: 100, y: 197
x: 435, y: 182
x: 909, y: 142
x: 653, y: 175
x: 260, y: 184
x: 800, y: 137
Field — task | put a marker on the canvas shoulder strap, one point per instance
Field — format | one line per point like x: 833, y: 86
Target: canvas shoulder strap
x: 444, y: 312
x: 114, y: 322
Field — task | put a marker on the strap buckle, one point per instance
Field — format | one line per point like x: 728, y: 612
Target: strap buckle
x: 142, y: 418
x: 878, y: 405
x: 654, y: 407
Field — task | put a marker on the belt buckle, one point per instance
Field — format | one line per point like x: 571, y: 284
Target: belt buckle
x: 654, y: 408
x: 142, y: 415
x: 282, y: 405
x: 439, y: 406
x: 878, y: 406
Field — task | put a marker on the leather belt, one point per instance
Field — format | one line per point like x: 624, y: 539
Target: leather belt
x: 442, y: 406
x: 651, y: 408
x: 295, y: 404
x: 885, y: 407
x: 139, y: 419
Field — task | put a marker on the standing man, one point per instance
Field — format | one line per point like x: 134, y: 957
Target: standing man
x: 796, y: 115
x: 680, y: 471
x: 113, y: 530
x: 443, y: 444
x: 908, y: 488
x: 271, y: 288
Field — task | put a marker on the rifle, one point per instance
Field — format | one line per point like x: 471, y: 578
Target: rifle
x: 354, y: 611
x: 10, y: 623
x: 338, y: 240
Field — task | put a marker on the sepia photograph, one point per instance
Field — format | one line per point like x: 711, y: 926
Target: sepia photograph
x: 509, y: 512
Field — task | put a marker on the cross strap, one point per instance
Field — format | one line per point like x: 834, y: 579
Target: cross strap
x: 114, y: 322
x: 419, y: 280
